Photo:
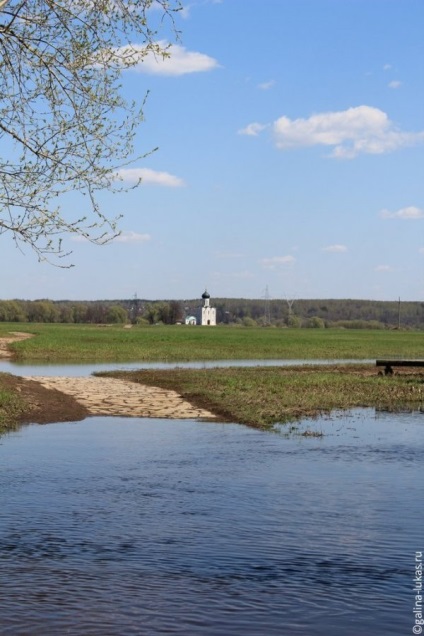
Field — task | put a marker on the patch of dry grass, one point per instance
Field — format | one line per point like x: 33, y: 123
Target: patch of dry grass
x: 263, y: 396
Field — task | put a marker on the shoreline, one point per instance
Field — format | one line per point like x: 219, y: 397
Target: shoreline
x: 5, y: 341
x: 58, y: 399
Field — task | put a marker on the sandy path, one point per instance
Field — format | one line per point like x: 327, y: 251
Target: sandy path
x: 14, y: 337
x: 109, y: 396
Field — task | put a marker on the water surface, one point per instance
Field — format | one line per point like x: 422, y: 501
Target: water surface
x: 116, y: 526
x: 85, y: 369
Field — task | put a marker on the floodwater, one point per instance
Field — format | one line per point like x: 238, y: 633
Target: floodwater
x: 85, y: 369
x: 116, y: 526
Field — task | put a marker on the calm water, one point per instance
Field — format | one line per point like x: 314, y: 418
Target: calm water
x: 123, y: 526
x: 70, y: 370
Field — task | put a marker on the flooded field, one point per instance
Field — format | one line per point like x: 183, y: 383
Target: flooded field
x: 116, y: 526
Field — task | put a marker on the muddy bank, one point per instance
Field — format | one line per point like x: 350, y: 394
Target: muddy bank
x: 41, y: 405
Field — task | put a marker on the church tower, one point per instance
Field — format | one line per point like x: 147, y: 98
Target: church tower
x: 208, y: 312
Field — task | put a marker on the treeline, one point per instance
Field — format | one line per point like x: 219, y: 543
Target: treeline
x: 94, y: 312
x: 235, y: 311
x: 343, y: 313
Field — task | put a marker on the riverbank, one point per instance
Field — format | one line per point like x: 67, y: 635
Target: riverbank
x: 264, y: 396
x: 24, y: 401
x: 42, y: 400
x: 258, y: 397
x: 12, y: 337
x: 255, y: 396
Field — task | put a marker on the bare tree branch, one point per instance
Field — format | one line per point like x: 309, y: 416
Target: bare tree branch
x: 64, y: 125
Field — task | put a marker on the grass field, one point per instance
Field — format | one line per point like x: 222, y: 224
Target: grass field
x: 11, y: 407
x: 254, y: 396
x: 264, y: 396
x: 91, y: 343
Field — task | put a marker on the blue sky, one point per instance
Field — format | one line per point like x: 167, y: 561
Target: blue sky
x: 291, y: 155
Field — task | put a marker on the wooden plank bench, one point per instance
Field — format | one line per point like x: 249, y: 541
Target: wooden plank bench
x: 389, y: 363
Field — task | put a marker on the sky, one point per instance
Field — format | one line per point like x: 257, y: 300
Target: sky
x: 290, y: 160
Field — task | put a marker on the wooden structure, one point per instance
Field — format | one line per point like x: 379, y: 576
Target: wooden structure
x: 389, y: 363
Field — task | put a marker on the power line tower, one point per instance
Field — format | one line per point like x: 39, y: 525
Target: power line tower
x: 290, y: 300
x: 267, y: 307
x: 134, y: 309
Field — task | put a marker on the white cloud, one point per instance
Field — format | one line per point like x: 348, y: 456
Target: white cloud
x: 408, y: 213
x: 277, y: 261
x: 132, y: 237
x: 252, y: 130
x: 179, y: 61
x: 265, y: 86
x: 387, y: 67
x: 394, y: 84
x: 355, y: 131
x: 384, y: 268
x: 336, y: 249
x: 149, y: 177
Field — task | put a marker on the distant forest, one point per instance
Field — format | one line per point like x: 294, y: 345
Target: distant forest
x: 353, y: 314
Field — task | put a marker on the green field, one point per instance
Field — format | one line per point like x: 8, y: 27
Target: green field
x: 82, y: 343
x: 264, y: 396
x: 11, y: 407
x: 251, y: 395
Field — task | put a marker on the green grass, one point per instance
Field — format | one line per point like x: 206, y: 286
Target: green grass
x: 263, y: 397
x: 11, y: 404
x: 91, y: 343
x: 254, y: 396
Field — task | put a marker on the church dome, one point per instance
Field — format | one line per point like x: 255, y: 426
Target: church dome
x: 206, y: 294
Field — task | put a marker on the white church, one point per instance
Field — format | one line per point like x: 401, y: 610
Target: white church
x: 206, y: 315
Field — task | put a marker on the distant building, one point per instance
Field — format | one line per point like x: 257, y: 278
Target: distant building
x: 204, y: 315
x: 208, y: 313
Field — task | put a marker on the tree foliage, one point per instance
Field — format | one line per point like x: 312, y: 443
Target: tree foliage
x: 342, y: 314
x: 64, y: 124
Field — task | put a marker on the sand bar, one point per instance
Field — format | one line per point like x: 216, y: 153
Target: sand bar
x: 109, y: 396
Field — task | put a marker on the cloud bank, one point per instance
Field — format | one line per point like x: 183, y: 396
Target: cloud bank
x: 352, y: 132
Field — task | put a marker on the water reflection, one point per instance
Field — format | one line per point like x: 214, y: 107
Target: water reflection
x: 116, y: 526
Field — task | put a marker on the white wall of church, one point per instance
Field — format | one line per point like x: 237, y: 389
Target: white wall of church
x: 209, y: 316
